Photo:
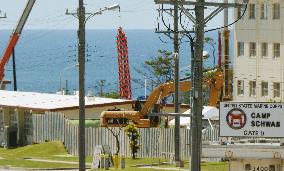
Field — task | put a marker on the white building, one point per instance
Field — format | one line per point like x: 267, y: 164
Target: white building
x: 258, y: 63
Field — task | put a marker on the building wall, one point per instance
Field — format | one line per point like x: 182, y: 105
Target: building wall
x: 259, y: 68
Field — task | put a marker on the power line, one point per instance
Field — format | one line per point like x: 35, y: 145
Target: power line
x: 197, y: 67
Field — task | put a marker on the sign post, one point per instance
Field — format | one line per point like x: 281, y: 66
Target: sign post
x: 246, y: 119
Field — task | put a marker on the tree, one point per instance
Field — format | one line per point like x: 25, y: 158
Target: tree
x: 210, y: 41
x: 103, y: 90
x: 133, y: 135
x: 100, y: 85
x: 157, y: 70
x: 116, y: 133
x: 112, y: 94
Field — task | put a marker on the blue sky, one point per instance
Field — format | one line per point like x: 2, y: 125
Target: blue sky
x: 50, y: 14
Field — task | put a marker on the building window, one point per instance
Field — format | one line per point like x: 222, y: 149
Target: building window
x: 276, y: 50
x: 241, y: 48
x: 276, y: 90
x: 264, y: 48
x: 240, y: 87
x: 276, y: 10
x: 252, y: 11
x: 252, y: 88
x: 252, y: 49
x: 263, y: 11
x: 264, y: 88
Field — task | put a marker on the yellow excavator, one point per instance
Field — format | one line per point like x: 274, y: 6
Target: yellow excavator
x: 139, y: 118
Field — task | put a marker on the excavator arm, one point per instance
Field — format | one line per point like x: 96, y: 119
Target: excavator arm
x: 15, y: 37
x: 215, y: 86
x: 161, y: 92
x: 122, y: 118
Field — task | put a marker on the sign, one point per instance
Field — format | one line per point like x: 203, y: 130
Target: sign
x: 96, y: 164
x: 240, y: 119
x: 97, y: 157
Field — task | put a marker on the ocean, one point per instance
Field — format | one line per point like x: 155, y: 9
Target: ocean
x: 45, y: 56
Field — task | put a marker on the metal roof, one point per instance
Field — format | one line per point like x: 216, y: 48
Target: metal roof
x: 48, y: 101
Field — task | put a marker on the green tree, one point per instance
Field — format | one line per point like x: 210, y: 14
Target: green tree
x: 112, y: 94
x: 101, y: 86
x: 210, y: 41
x: 133, y: 135
x: 157, y: 70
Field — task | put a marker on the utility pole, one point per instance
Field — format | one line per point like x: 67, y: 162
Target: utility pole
x: 176, y: 99
x: 196, y: 109
x: 227, y: 89
x: 176, y: 44
x: 81, y: 59
x: 81, y: 15
x: 1, y: 82
x: 14, y: 62
x: 14, y: 70
x: 197, y: 67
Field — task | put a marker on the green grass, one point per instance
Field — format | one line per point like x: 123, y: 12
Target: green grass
x: 16, y: 157
x: 56, y: 151
x: 218, y: 166
x: 36, y: 150
x: 33, y: 164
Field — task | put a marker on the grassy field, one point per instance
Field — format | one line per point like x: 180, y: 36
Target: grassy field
x: 17, y: 157
x: 56, y: 152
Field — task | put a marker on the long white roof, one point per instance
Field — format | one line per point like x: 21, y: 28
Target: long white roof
x: 46, y: 101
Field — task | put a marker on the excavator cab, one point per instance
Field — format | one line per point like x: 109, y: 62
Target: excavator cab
x: 155, y: 120
x: 120, y: 118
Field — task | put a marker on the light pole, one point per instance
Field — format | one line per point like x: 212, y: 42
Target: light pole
x: 61, y: 73
x: 145, y: 88
x: 146, y: 84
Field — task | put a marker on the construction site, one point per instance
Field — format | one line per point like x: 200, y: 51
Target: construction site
x: 199, y: 111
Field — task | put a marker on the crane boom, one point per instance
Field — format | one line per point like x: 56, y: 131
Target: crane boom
x: 15, y: 37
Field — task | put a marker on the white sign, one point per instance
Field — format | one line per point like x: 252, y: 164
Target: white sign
x: 240, y: 119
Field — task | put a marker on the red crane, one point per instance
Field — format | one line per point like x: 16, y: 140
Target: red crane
x: 123, y: 65
x: 14, y: 38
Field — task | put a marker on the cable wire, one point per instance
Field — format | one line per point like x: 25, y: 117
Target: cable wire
x: 218, y: 28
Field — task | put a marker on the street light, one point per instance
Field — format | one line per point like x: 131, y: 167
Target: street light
x: 145, y: 88
x: 206, y: 55
x: 145, y: 85
x: 81, y: 15
x: 113, y: 7
x: 109, y: 8
x: 61, y: 73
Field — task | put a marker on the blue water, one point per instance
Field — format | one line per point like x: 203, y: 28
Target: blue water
x: 41, y: 55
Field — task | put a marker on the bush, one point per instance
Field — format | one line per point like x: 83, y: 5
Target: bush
x: 133, y: 135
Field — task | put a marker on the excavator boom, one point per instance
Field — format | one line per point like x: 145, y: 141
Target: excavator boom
x: 161, y: 92
x: 122, y: 118
x: 15, y: 37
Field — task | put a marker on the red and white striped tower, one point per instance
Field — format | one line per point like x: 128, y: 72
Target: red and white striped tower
x: 123, y: 65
